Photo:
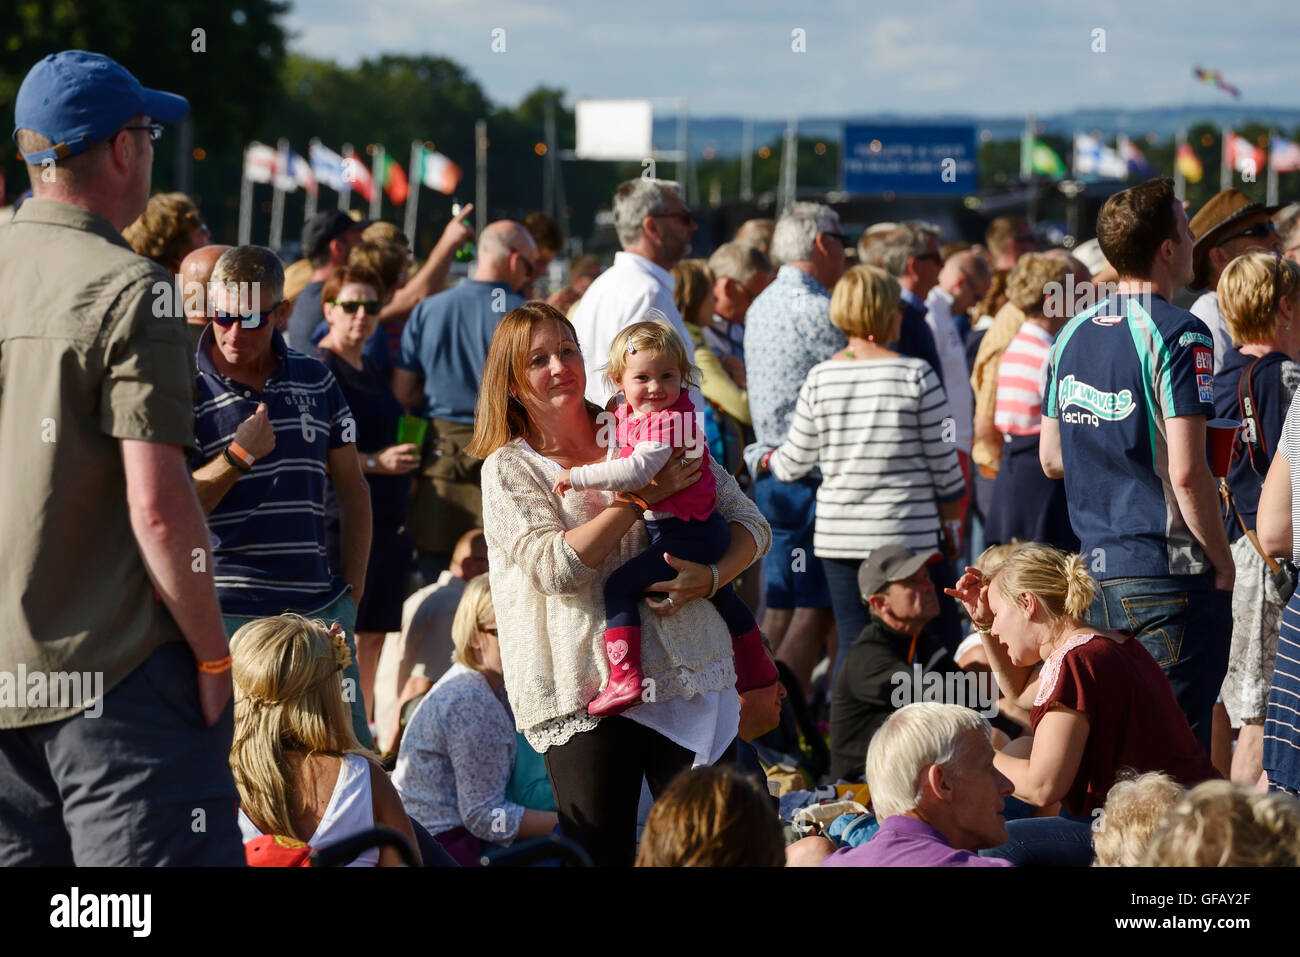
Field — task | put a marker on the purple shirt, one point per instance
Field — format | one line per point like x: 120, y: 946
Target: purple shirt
x: 906, y: 842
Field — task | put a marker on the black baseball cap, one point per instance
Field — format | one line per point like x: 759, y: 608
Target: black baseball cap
x: 887, y: 564
x: 324, y: 226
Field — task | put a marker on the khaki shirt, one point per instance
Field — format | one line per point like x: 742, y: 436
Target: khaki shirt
x: 84, y: 362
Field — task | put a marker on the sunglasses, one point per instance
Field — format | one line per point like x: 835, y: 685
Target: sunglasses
x: 155, y: 130
x: 1258, y: 231
x: 531, y: 266
x: 255, y: 321
x: 352, y: 305
x: 684, y: 217
x: 844, y: 240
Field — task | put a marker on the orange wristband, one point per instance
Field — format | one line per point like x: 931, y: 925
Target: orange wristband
x: 241, y: 453
x: 220, y: 666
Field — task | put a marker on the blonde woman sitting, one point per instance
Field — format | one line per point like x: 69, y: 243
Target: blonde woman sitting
x: 458, y: 750
x: 300, y: 771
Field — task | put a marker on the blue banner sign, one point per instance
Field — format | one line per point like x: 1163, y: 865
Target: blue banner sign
x: 912, y: 160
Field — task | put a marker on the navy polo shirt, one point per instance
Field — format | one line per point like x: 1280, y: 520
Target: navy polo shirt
x: 1118, y: 371
x: 446, y: 340
x: 268, y: 533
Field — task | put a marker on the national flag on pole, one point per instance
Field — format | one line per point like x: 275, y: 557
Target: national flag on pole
x: 358, y: 177
x: 1137, y: 163
x: 1189, y: 164
x: 439, y: 173
x: 1043, y: 159
x: 1242, y: 155
x: 283, y: 179
x: 1284, y: 155
x: 1092, y: 157
x: 1215, y: 77
x: 301, y: 172
x: 260, y: 162
x: 327, y: 167
x: 394, y: 181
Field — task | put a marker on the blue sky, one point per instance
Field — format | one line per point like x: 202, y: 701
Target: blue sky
x: 919, y: 56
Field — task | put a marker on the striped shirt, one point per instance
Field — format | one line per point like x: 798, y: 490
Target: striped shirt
x: 268, y: 532
x: 1022, y: 378
x: 882, y: 433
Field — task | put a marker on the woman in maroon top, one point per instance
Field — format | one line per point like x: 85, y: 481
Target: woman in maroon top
x: 1100, y: 703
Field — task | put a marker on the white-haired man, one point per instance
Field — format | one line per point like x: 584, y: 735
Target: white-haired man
x: 444, y: 347
x: 788, y: 331
x: 935, y: 791
x: 654, y: 228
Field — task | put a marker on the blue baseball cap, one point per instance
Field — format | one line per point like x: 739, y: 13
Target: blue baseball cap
x: 76, y: 99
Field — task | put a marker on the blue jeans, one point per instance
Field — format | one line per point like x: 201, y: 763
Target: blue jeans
x: 344, y: 611
x: 1062, y: 841
x: 1159, y: 612
x: 795, y: 578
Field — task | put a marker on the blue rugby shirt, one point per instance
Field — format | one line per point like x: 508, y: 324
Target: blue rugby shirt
x: 268, y: 533
x: 1117, y: 372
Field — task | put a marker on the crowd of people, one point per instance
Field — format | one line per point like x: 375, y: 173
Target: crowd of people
x: 916, y: 536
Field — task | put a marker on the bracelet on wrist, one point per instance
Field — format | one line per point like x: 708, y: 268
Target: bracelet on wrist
x: 234, y: 461
x: 634, y: 500
x: 714, y: 570
x: 217, y: 667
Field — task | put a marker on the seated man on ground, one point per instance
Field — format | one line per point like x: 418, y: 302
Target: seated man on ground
x: 934, y: 790
x: 891, y: 662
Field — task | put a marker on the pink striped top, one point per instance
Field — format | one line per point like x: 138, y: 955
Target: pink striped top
x: 1022, y: 377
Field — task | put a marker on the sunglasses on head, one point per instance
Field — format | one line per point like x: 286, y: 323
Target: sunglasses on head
x: 352, y: 305
x: 250, y: 322
x: 1258, y: 231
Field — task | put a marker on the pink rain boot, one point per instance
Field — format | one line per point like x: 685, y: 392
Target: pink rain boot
x: 754, y: 667
x: 623, y: 647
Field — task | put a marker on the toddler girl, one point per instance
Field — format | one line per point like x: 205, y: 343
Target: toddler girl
x: 649, y: 363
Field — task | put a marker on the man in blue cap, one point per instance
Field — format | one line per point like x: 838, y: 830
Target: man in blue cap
x: 115, y: 687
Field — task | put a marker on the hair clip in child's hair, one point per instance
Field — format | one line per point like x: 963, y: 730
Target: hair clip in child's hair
x: 631, y: 349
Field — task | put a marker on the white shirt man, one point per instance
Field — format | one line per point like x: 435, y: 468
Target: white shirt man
x: 952, y: 357
x: 639, y: 281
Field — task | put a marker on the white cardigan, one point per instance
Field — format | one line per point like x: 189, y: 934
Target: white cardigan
x: 550, y: 608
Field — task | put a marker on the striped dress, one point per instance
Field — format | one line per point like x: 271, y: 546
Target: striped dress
x: 1282, y: 721
x: 881, y: 432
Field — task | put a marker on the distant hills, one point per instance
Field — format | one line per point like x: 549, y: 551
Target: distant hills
x: 724, y: 133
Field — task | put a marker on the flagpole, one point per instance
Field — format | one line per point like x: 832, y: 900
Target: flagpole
x: 1180, y: 181
x: 1225, y: 167
x: 413, y: 197
x: 309, y: 207
x: 245, y: 203
x: 345, y: 197
x: 277, y: 197
x: 1270, y: 190
x: 1027, y: 149
x: 480, y: 176
x: 377, y: 180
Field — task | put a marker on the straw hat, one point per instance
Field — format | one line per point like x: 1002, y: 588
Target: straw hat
x: 1215, y: 221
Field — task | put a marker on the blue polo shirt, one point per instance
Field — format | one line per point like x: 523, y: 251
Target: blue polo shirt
x: 1118, y: 370
x: 446, y: 340
x: 268, y: 533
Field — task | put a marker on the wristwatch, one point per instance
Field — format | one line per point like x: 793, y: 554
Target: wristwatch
x: 371, y: 465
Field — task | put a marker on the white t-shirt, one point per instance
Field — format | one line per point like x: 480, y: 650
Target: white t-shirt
x: 952, y: 357
x: 621, y: 295
x: 350, y: 811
